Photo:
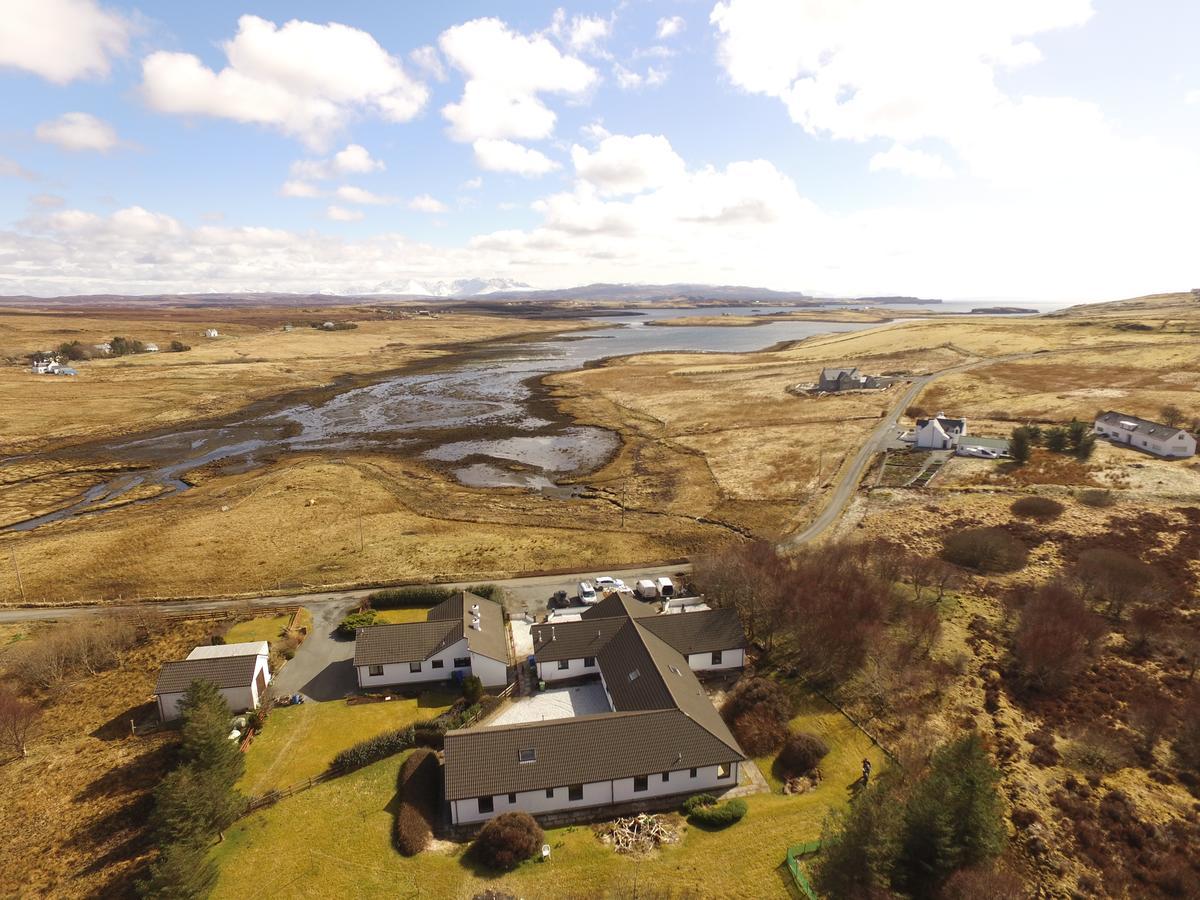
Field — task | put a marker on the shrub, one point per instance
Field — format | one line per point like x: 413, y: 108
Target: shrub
x: 1055, y: 637
x: 507, y: 840
x: 758, y: 732
x: 402, y: 598
x: 759, y: 694
x: 1097, y: 497
x: 801, y: 753
x: 417, y: 786
x: 985, y: 550
x: 719, y: 815
x: 694, y: 802
x: 472, y: 688
x: 1117, y: 578
x: 374, y: 749
x: 1041, y: 508
x: 355, y: 621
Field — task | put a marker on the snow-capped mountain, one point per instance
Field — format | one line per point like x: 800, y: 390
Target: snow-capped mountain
x: 459, y: 287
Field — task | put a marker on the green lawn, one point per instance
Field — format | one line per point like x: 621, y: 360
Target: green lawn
x: 265, y: 628
x: 336, y: 840
x: 394, y: 616
x: 819, y: 718
x: 300, y: 741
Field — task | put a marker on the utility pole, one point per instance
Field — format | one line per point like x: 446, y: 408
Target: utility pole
x: 12, y: 555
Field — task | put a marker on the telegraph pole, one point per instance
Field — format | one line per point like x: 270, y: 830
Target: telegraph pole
x: 12, y: 555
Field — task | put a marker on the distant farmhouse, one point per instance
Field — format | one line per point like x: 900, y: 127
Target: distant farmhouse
x: 239, y: 671
x: 945, y: 433
x: 660, y: 736
x: 211, y: 333
x: 832, y: 380
x: 149, y: 348
x: 464, y: 635
x: 1153, y: 437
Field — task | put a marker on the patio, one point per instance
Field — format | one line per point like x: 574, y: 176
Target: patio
x: 556, y: 703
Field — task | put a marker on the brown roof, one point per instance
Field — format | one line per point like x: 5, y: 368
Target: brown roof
x: 221, y: 671
x: 482, y: 761
x: 701, y: 631
x: 446, y: 624
x: 615, y: 605
x: 572, y: 640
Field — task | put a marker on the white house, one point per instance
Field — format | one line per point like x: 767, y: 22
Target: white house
x: 44, y: 366
x: 464, y: 634
x: 149, y: 348
x: 1161, y: 440
x: 211, y: 333
x: 239, y: 671
x: 939, y: 433
x: 103, y: 347
x: 662, y: 737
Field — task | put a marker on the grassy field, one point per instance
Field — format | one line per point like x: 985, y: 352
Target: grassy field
x: 398, y: 616
x: 344, y: 827
x: 300, y: 741
x: 262, y: 628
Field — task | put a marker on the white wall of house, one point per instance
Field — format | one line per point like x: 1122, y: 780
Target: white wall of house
x: 549, y: 671
x: 678, y: 782
x: 239, y: 699
x: 401, y: 673
x: 730, y: 659
x: 1180, y: 445
x: 466, y: 812
x: 491, y: 672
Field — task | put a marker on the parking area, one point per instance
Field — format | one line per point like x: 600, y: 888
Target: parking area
x: 556, y: 703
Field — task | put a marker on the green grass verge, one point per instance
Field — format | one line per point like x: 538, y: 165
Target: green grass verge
x: 395, y: 616
x: 848, y: 747
x: 336, y: 841
x: 300, y: 741
x: 263, y: 628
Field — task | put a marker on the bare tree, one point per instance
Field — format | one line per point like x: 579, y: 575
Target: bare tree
x: 919, y: 571
x: 1171, y: 415
x: 1117, y: 579
x: 1055, y: 637
x: 1150, y: 714
x: 944, y: 578
x: 18, y: 719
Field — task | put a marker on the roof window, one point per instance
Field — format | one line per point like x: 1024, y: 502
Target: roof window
x: 634, y: 675
x: 527, y: 756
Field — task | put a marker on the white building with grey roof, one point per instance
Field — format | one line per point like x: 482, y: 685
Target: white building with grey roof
x: 1153, y: 437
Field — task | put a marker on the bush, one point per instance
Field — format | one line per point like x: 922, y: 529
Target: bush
x: 507, y: 840
x: 354, y: 621
x: 403, y: 598
x: 472, y: 688
x: 758, y: 733
x: 801, y: 753
x: 719, y: 815
x: 1097, y: 497
x: 985, y: 550
x: 374, y: 749
x: 691, y: 804
x: 757, y: 712
x: 1041, y: 508
x: 417, y: 786
x: 1055, y: 637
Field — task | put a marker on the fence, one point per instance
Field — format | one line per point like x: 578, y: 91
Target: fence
x: 793, y: 853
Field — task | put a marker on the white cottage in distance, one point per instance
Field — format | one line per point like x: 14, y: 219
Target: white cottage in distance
x: 239, y: 671
x: 1153, y: 437
x: 939, y: 433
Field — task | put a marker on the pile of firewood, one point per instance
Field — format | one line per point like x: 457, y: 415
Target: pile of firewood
x: 638, y: 834
x: 803, y: 784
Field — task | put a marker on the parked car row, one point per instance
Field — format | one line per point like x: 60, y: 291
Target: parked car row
x: 594, y: 591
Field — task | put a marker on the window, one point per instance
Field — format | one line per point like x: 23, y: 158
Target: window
x: 527, y: 755
x: 716, y: 658
x: 414, y: 667
x: 439, y: 663
x: 589, y: 662
x: 375, y: 670
x: 723, y: 770
x: 550, y: 793
x: 692, y: 774
x: 641, y: 783
x: 512, y: 798
x: 564, y: 664
x: 634, y: 675
x: 666, y: 776
x: 575, y: 792
x: 486, y: 805
x: 462, y: 662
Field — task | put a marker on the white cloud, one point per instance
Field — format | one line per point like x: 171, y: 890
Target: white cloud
x: 62, y: 40
x: 428, y: 204
x: 304, y: 79
x: 623, y: 164
x: 352, y: 194
x: 10, y: 168
x: 429, y: 61
x: 670, y: 26
x: 297, y: 188
x: 353, y: 160
x: 506, y: 72
x: 906, y: 161
x: 472, y: 184
x: 507, y: 156
x: 580, y: 33
x: 78, y: 131
x: 341, y: 214
x: 629, y: 80
x: 1192, y: 97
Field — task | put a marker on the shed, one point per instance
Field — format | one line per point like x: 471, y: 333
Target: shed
x: 239, y: 671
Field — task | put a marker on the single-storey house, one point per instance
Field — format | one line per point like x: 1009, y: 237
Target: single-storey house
x: 239, y: 671
x: 939, y: 433
x: 44, y: 366
x: 463, y: 634
x: 662, y: 737
x: 1153, y: 437
x: 211, y: 333
x: 840, y: 379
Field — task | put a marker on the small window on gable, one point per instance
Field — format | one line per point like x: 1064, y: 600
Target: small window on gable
x: 634, y: 675
x: 527, y: 755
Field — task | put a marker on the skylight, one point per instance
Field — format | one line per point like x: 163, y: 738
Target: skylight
x: 527, y: 756
x: 633, y: 676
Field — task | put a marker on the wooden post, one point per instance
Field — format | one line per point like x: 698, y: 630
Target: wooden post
x: 12, y: 555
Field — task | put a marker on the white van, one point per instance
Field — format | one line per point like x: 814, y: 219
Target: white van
x: 646, y: 589
x: 666, y: 587
x: 587, y: 593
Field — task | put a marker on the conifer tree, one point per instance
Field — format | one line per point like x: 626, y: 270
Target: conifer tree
x: 182, y: 871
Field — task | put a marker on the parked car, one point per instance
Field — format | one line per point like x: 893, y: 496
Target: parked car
x: 646, y: 589
x: 587, y: 593
x: 666, y: 587
x: 606, y: 583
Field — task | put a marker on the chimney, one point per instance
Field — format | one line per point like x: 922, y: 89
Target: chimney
x: 552, y: 637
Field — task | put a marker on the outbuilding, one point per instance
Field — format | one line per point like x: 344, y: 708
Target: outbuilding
x: 239, y: 671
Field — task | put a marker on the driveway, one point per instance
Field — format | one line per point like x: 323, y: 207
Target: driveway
x: 322, y: 668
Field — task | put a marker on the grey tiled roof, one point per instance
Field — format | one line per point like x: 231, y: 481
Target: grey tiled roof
x: 616, y: 605
x: 222, y: 671
x: 1156, y: 430
x: 483, y: 761
x: 446, y: 624
x: 573, y: 640
x: 701, y: 631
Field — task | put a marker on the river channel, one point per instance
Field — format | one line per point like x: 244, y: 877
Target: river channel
x: 482, y: 418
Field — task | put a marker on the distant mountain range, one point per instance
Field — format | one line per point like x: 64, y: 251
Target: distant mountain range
x: 467, y: 289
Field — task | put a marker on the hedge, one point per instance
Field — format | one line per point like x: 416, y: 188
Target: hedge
x: 417, y: 787
x: 423, y: 734
x: 691, y: 804
x: 354, y: 621
x: 400, y: 598
x: 719, y: 815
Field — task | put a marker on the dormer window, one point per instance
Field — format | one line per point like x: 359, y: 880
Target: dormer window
x: 527, y: 756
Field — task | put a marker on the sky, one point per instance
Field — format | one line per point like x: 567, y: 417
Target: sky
x: 961, y: 149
